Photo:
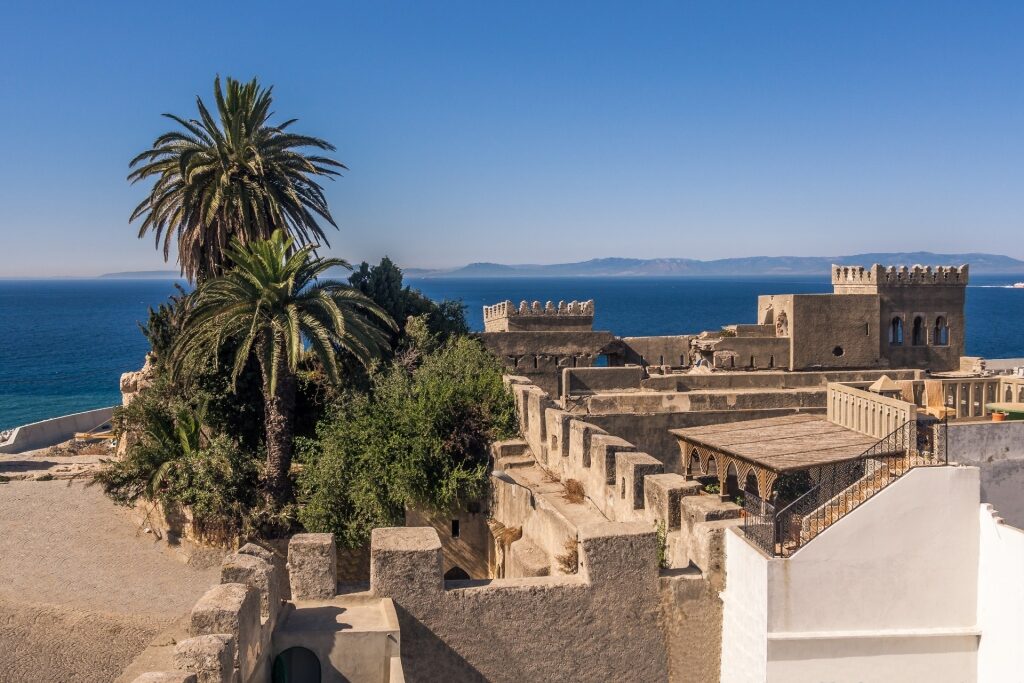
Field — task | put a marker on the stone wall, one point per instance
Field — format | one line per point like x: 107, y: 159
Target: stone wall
x: 50, y: 432
x: 541, y: 629
x: 466, y: 547
x: 578, y: 381
x: 543, y: 355
x: 997, y: 449
x: 673, y: 351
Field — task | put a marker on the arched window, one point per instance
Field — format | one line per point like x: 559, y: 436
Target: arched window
x: 896, y: 331
x: 917, y: 334
x: 941, y: 335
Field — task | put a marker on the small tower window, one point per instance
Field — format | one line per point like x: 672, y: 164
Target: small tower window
x: 941, y: 335
x: 455, y: 528
x: 896, y: 331
x: 917, y: 335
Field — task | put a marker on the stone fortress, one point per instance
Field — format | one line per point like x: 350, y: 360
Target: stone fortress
x: 823, y: 495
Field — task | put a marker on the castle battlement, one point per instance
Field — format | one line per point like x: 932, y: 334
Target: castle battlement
x: 898, y: 276
x: 506, y: 316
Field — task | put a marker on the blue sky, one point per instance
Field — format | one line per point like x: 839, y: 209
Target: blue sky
x: 538, y: 131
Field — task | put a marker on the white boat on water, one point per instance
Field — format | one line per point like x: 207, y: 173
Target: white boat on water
x: 1017, y: 285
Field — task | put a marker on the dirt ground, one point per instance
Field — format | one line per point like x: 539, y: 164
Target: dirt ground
x: 84, y: 589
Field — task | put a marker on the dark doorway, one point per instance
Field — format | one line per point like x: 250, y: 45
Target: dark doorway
x: 456, y: 574
x: 296, y: 665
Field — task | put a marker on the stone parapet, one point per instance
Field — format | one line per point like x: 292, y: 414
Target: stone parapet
x: 232, y: 609
x: 166, y: 677
x: 312, y: 566
x: 211, y: 657
x: 896, y: 276
x: 506, y: 316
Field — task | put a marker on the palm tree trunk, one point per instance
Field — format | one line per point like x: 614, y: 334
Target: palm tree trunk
x: 279, y: 414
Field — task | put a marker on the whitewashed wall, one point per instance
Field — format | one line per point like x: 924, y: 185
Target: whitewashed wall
x: 745, y: 613
x: 1000, y: 600
x: 888, y: 593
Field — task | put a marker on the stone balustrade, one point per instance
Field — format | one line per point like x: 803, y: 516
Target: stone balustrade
x: 867, y: 412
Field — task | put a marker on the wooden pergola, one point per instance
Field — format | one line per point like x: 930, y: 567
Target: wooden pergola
x: 767, y: 448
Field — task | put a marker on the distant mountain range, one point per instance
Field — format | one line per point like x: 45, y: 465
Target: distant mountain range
x: 981, y: 264
x: 144, y: 275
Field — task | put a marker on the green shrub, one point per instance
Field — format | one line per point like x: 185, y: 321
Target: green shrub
x: 419, y: 438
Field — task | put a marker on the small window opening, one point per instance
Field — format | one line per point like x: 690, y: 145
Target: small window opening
x: 771, y: 361
x: 838, y: 351
x: 941, y: 335
x: 535, y: 362
x: 455, y: 528
x: 917, y: 335
x: 752, y: 363
x: 896, y: 331
x: 867, y: 329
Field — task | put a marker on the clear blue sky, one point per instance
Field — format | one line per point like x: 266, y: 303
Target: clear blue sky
x: 540, y: 131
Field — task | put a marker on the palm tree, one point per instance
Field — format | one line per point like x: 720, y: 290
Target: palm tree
x: 232, y: 177
x: 271, y: 304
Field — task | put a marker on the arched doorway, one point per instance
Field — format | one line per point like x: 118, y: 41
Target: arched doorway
x: 456, y: 573
x: 296, y: 665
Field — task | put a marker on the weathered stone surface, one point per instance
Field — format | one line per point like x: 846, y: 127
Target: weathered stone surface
x: 662, y: 495
x: 258, y: 551
x: 404, y: 559
x: 233, y: 609
x: 312, y: 566
x: 256, y: 573
x: 167, y: 677
x: 211, y: 657
x: 526, y: 559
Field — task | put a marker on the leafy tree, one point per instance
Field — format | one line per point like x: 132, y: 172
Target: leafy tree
x: 383, y: 283
x: 164, y: 322
x: 235, y: 176
x: 268, y: 305
x: 420, y: 438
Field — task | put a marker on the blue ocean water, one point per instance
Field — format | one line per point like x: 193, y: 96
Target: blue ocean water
x: 65, y: 343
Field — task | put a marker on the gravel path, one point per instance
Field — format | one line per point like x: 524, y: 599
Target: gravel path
x: 83, y: 589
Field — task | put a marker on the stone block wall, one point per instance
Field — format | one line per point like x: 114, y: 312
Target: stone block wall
x: 616, y: 476
x: 549, y: 628
x: 232, y: 625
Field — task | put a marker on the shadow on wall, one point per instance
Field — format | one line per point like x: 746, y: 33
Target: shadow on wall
x: 420, y: 644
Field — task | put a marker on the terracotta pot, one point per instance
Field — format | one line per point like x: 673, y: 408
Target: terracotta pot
x: 998, y: 417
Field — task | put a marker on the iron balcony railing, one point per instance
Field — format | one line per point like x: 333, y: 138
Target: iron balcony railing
x: 839, y: 488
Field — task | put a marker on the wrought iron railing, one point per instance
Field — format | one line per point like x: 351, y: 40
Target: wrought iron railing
x: 841, y: 487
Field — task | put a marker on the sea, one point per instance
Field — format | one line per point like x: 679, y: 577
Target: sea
x: 65, y: 343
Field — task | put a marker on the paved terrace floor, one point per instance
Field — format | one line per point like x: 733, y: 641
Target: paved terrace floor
x: 781, y: 444
x: 84, y: 590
